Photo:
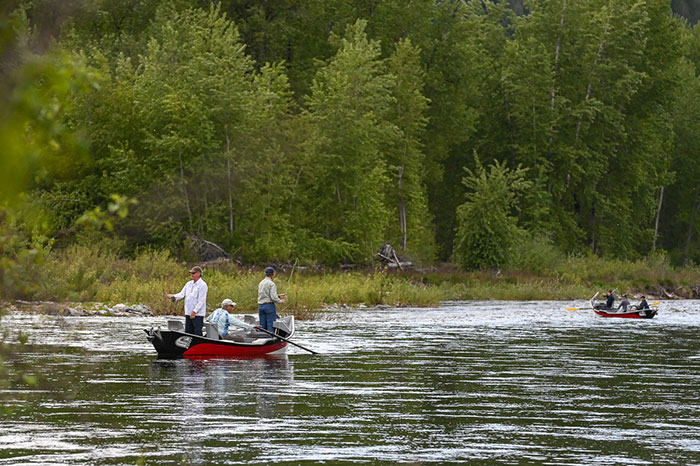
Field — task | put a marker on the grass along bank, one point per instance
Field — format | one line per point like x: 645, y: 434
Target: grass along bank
x: 87, y: 275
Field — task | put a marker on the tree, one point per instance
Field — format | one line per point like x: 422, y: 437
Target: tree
x: 195, y: 136
x: 680, y: 221
x: 461, y: 58
x: 406, y: 193
x: 39, y: 148
x: 488, y: 230
x: 345, y: 176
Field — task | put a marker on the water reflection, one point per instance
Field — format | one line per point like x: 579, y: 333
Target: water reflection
x: 485, y: 383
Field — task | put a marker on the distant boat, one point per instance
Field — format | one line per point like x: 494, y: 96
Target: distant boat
x: 632, y: 312
x: 175, y: 343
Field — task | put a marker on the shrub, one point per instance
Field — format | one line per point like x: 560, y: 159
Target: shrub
x: 539, y: 255
x: 487, y: 231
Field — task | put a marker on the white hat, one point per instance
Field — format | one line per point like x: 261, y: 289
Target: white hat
x: 227, y: 302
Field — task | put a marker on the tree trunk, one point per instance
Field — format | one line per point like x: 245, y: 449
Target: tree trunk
x: 656, y: 223
x: 553, y: 92
x: 601, y: 48
x: 184, y: 189
x: 402, y: 212
x: 228, y: 184
x: 686, y: 252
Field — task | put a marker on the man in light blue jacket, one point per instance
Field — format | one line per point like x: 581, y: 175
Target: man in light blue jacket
x: 222, y: 319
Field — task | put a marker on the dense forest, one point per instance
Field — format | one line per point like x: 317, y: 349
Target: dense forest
x: 474, y: 132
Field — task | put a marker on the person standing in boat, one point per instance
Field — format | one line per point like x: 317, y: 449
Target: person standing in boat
x: 610, y: 299
x: 624, y: 304
x: 195, y: 294
x: 267, y: 297
x: 222, y: 319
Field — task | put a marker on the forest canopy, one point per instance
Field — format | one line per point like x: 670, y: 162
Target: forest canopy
x: 314, y: 130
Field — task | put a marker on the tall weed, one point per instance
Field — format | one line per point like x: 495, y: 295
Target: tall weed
x: 92, y: 274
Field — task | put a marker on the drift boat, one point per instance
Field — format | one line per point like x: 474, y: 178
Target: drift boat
x: 632, y: 312
x: 175, y: 343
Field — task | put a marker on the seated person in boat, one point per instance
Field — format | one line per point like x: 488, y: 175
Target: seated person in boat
x: 609, y: 299
x: 643, y: 304
x: 222, y: 319
x: 624, y: 304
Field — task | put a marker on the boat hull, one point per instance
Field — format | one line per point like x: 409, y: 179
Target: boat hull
x: 638, y: 314
x: 172, y: 344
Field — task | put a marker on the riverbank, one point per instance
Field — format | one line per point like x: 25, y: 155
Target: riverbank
x: 78, y: 277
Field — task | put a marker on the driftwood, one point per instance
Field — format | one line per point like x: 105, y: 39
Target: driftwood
x: 206, y: 250
x: 400, y: 264
x: 387, y: 254
x: 665, y: 294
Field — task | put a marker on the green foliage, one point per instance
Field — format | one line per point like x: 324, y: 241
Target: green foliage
x: 537, y: 254
x: 488, y: 232
x: 118, y: 207
x: 38, y: 149
x: 682, y: 196
x: 325, y: 251
x: 343, y: 180
x: 406, y: 193
x: 22, y: 253
x: 323, y: 129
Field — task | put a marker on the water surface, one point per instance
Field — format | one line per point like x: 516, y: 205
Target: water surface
x: 466, y: 383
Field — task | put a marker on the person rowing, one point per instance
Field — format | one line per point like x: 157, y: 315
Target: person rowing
x: 643, y: 304
x: 222, y: 318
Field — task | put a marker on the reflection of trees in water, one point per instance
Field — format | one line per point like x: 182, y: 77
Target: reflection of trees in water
x: 248, y: 387
x: 193, y: 400
x: 206, y: 393
x: 273, y: 372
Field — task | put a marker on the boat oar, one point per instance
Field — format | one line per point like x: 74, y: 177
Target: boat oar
x: 288, y: 341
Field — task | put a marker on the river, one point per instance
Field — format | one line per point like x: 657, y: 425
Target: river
x: 466, y: 383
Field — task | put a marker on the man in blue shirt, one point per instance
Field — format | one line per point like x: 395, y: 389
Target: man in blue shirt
x: 610, y: 299
x: 222, y: 319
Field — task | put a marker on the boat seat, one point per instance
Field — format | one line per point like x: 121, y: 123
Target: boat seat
x: 175, y: 324
x: 283, y: 325
x: 211, y: 330
x: 249, y: 320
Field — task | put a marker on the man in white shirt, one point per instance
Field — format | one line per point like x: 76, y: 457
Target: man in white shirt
x: 195, y: 294
x: 267, y: 297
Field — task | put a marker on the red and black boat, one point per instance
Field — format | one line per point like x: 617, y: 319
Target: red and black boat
x: 632, y: 312
x: 175, y: 343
